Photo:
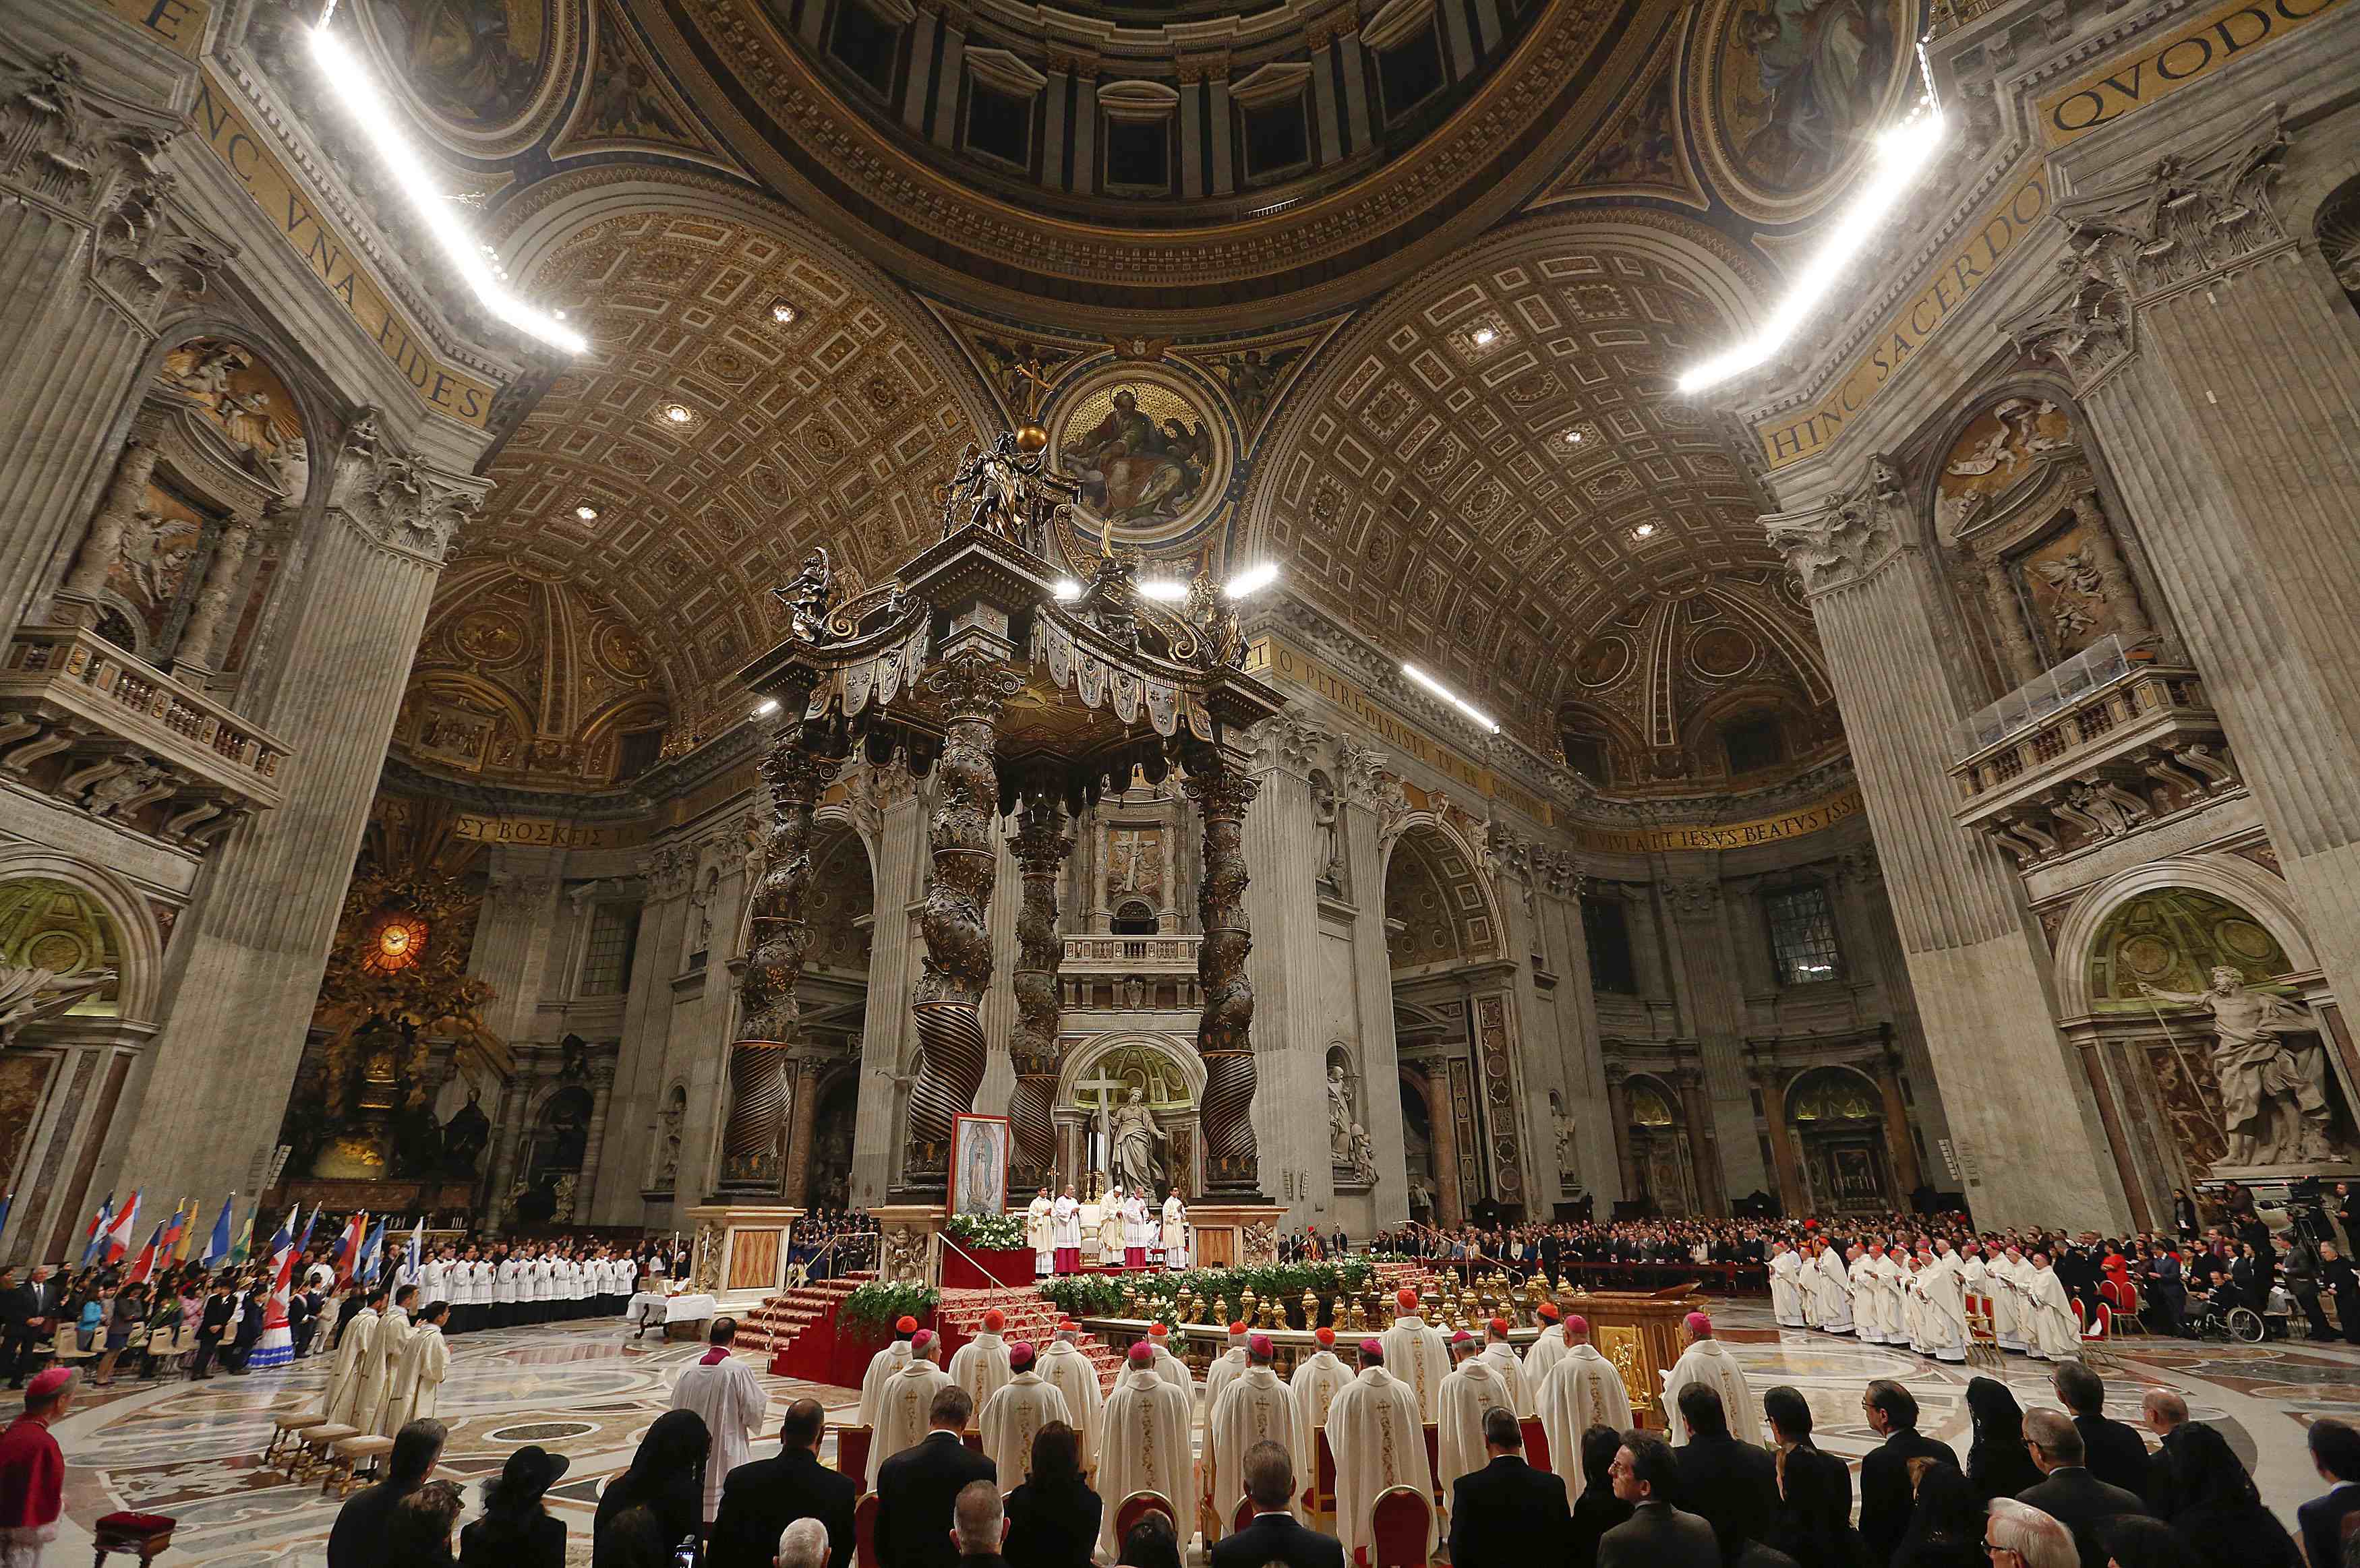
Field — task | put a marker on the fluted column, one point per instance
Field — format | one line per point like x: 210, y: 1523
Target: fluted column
x: 1042, y: 846
x: 1897, y: 1141
x: 2008, y: 624
x: 1702, y: 949
x: 201, y: 637
x: 1221, y: 790
x: 799, y: 1151
x: 1793, y: 1197
x: 245, y: 962
x: 1704, y: 1141
x: 1618, y: 1099
x: 91, y: 248
x: 1980, y: 971
x: 1450, y: 1199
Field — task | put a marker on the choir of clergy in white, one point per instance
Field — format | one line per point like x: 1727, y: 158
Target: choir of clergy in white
x: 1123, y: 1225
x: 1924, y: 1299
x: 1143, y: 1437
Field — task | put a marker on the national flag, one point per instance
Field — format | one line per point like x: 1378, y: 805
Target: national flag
x: 277, y: 1346
x: 243, y: 1247
x: 217, y: 1245
x: 416, y: 1247
x: 303, y: 1242
x: 187, y: 1237
x: 348, y: 1249
x: 175, y: 1230
x: 147, y: 1264
x: 98, y: 1223
x: 7, y: 1202
x: 372, y: 1256
x: 119, y: 1235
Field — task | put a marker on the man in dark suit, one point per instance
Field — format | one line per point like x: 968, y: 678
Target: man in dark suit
x: 1656, y: 1535
x: 760, y: 1500
x: 17, y: 1305
x: 916, y: 1488
x: 1508, y: 1512
x: 2335, y: 1455
x: 357, y: 1538
x: 2113, y: 1450
x: 1273, y: 1535
x: 1734, y: 1485
x: 2070, y: 1494
x: 1885, y: 1494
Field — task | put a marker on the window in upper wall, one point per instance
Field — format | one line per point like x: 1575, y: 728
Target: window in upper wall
x: 1606, y: 930
x: 1586, y: 755
x: 865, y: 44
x: 606, y: 957
x: 1278, y: 137
x: 1802, y: 936
x: 1133, y: 919
x: 1138, y: 156
x: 998, y: 125
x: 635, y: 751
x: 1410, y: 71
x: 1753, y: 743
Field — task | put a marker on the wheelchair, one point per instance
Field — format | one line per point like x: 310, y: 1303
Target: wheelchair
x: 2221, y: 1322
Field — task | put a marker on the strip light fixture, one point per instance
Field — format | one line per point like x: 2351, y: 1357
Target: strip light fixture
x: 1453, y: 698
x: 351, y: 84
x: 1903, y: 155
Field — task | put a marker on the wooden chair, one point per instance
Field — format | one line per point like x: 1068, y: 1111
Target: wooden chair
x: 1400, y: 1524
x: 146, y: 1535
x: 1137, y: 1506
x: 287, y: 1430
x: 348, y: 1457
x: 1319, y: 1501
x: 1243, y: 1516
x: 1982, y: 1339
x: 864, y: 1527
x: 852, y: 1452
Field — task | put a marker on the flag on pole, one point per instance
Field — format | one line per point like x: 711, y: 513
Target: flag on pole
x: 176, y: 1230
x: 416, y: 1248
x: 243, y: 1247
x: 147, y: 1264
x: 304, y: 1241
x: 217, y: 1245
x: 277, y: 1346
x: 7, y: 1202
x: 372, y: 1256
x: 187, y: 1237
x: 348, y: 1246
x: 119, y: 1235
x: 90, y: 1241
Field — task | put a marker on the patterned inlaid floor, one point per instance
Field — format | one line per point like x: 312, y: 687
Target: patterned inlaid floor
x: 588, y: 1391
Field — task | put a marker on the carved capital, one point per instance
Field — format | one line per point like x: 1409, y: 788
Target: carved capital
x: 2084, y: 324
x: 1287, y: 742
x: 1693, y: 898
x: 1220, y: 791
x: 396, y: 501
x: 972, y: 685
x: 1847, y: 538
x: 668, y: 869
x: 2189, y: 219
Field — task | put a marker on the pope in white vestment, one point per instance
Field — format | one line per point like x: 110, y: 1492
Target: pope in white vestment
x: 1833, y: 1288
x: 1415, y: 1355
x: 351, y: 1359
x: 1584, y: 1390
x: 1708, y: 1361
x: 1468, y: 1389
x: 1015, y: 1415
x: 1378, y: 1436
x: 1316, y: 1380
x: 1039, y: 1233
x: 881, y: 1366
x: 1144, y: 1445
x: 1786, y: 1287
x: 1945, y: 1315
x: 1076, y: 1377
x: 1254, y: 1407
x: 1110, y: 1229
x: 980, y: 1366
x: 726, y: 1393
x: 906, y: 1403
x: 2051, y: 1333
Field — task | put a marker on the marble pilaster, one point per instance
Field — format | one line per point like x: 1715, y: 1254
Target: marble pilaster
x: 639, y: 1080
x: 1282, y: 901
x: 887, y: 1038
x: 1702, y: 949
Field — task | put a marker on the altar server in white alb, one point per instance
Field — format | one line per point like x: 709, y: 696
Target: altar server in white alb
x: 883, y: 1364
x: 1944, y: 1316
x: 418, y: 1381
x: 1584, y: 1390
x: 1377, y: 1434
x: 504, y: 1290
x: 1708, y: 1361
x: 726, y: 1393
x: 2051, y: 1333
x: 1175, y: 1232
x: 1254, y: 1407
x: 1139, y: 1232
x: 1066, y: 1233
x: 1041, y: 1233
x: 1015, y: 1414
x: 1144, y: 1443
x: 1469, y: 1388
x: 906, y: 1403
x: 1833, y: 1286
x: 1785, y: 1289
x: 1076, y: 1377
x: 980, y: 1366
x: 1413, y: 1353
x: 1318, y: 1379
x: 386, y: 1345
x: 353, y: 1360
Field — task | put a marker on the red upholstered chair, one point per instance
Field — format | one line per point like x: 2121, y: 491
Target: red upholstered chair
x: 1137, y: 1506
x: 1243, y: 1516
x: 1536, y: 1448
x: 1434, y: 1452
x: 2101, y: 1328
x: 852, y: 1452
x: 2110, y: 1295
x: 1320, y: 1500
x: 864, y: 1529
x: 973, y: 1438
x: 1398, y: 1528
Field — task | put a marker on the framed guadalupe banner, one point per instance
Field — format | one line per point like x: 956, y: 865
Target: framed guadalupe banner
x: 979, y: 1165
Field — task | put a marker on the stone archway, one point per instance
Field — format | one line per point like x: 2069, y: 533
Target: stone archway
x: 1662, y: 1157
x: 1096, y: 1080
x: 1837, y: 1117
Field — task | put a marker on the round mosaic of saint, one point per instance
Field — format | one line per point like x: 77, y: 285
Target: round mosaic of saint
x: 484, y: 71
x: 1152, y: 452
x: 1791, y: 94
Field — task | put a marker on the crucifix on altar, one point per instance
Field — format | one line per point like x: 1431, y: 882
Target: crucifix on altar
x: 1100, y: 1155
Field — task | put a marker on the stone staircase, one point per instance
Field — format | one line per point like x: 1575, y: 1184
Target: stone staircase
x: 774, y: 1323
x: 1031, y: 1316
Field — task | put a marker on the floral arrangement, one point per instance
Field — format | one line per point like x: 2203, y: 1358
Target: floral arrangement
x: 1101, y: 1295
x: 996, y: 1233
x: 875, y: 1307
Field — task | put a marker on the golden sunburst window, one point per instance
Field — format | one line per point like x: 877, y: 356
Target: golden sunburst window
x: 397, y: 943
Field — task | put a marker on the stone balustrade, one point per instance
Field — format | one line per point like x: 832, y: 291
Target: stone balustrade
x: 1131, y: 954
x: 100, y: 730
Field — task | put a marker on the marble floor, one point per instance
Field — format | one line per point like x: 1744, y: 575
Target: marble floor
x: 589, y: 1390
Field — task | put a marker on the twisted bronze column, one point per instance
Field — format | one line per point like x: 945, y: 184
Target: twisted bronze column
x: 971, y: 684
x: 1225, y: 1031
x: 1040, y: 848
x: 754, y: 1134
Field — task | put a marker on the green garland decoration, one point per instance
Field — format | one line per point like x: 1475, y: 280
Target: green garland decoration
x: 996, y: 1233
x: 1101, y: 1295
x: 876, y: 1307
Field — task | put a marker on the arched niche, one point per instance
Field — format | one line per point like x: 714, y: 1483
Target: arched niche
x: 1662, y: 1156
x: 1440, y: 910
x: 1837, y: 1116
x: 132, y: 942
x: 1169, y: 1074
x: 2254, y: 895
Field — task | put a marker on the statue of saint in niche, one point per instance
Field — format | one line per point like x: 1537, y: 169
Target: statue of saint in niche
x: 2257, y: 1069
x: 1133, y: 1142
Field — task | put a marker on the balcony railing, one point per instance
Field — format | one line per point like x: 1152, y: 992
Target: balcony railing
x: 1132, y: 955
x: 100, y: 730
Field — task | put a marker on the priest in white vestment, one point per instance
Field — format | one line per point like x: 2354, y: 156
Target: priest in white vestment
x: 2051, y: 1332
x: 1786, y: 1287
x: 1066, y: 1233
x: 1545, y: 1352
x: 1584, y: 1390
x: 1041, y: 1233
x: 2009, y: 1277
x: 1888, y: 1292
x: 1706, y: 1361
x: 1316, y: 1380
x: 1377, y: 1434
x: 1501, y: 1358
x: 1833, y: 1286
x: 1867, y: 1308
x: 1415, y: 1355
x: 1225, y: 1367
x: 881, y: 1366
x: 906, y: 1405
x: 1168, y: 1366
x: 1076, y: 1375
x: 352, y: 1358
x: 1254, y: 1407
x: 425, y: 1363
x: 1137, y: 1232
x: 1110, y: 1228
x: 386, y: 1345
x: 980, y: 1366
x: 1015, y: 1415
x: 724, y: 1391
x: 1175, y: 1232
x: 1145, y: 1443
x: 1468, y: 1388
x: 1945, y: 1315
x: 1913, y: 1305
